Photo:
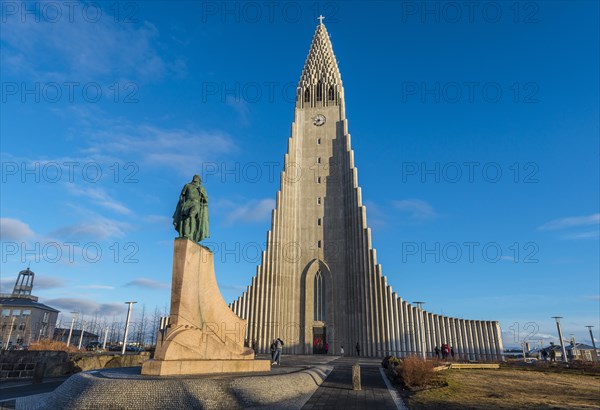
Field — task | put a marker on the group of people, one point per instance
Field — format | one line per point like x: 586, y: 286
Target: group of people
x: 443, y: 352
x: 552, y: 355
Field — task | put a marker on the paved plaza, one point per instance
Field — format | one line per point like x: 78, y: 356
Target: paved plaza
x: 308, y: 382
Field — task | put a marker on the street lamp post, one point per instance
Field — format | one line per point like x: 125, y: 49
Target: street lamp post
x: 593, y: 342
x: 73, y: 317
x: 127, y: 326
x: 81, y: 335
x: 105, y: 337
x: 560, y: 338
x: 421, y: 329
x: 12, y: 324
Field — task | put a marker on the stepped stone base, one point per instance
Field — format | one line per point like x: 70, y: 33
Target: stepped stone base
x: 127, y: 389
x: 188, y: 367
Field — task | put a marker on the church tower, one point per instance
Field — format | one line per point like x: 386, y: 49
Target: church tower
x: 319, y: 283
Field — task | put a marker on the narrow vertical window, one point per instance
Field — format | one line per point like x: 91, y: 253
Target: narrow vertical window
x: 318, y: 141
x: 319, y: 297
x: 319, y: 222
x: 319, y: 201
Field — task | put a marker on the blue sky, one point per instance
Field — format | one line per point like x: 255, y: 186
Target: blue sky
x: 475, y: 133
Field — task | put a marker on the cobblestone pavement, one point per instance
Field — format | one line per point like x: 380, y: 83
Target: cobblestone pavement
x: 336, y: 391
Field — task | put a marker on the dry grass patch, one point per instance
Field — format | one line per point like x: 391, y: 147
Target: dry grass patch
x: 54, y: 345
x: 510, y: 389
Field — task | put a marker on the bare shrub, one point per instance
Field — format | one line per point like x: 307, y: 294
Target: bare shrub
x: 54, y: 345
x: 415, y: 372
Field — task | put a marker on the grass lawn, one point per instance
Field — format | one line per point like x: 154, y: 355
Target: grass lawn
x: 509, y: 388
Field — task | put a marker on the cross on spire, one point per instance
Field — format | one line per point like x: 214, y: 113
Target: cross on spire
x: 321, y: 19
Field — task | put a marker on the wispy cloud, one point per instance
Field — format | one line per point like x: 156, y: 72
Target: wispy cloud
x: 146, y: 283
x: 15, y: 230
x: 576, y: 227
x: 571, y: 222
x: 99, y: 197
x: 96, y: 227
x: 180, y: 149
x: 251, y: 211
x: 94, y: 50
x: 98, y: 287
x: 592, y: 297
x: 417, y: 209
x: 241, y: 107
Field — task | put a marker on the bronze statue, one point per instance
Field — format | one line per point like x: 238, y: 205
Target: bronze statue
x: 191, y: 215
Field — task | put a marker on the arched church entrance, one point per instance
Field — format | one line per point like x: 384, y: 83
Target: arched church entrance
x: 318, y: 308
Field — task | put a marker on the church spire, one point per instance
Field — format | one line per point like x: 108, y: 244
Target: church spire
x: 320, y: 82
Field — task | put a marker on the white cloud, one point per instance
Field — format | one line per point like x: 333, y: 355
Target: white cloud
x: 582, y: 235
x: 180, y: 149
x: 99, y: 197
x: 146, y: 283
x: 99, y: 287
x: 571, y: 222
x: 15, y: 230
x: 417, y: 209
x: 96, y: 227
x: 595, y: 298
x: 86, y: 306
x: 252, y: 211
x: 47, y: 282
x: 95, y: 49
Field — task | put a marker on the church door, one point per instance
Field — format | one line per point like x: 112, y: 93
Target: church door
x: 320, y: 340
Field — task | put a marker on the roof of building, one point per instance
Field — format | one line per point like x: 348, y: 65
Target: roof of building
x: 16, y: 301
x: 76, y: 332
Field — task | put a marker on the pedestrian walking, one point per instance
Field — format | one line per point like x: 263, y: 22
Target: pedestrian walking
x: 452, y: 352
x: 342, y: 351
x: 272, y: 348
x: 437, y: 352
x: 357, y: 349
x: 326, y: 347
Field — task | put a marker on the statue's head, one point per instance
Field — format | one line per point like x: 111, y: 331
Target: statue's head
x: 196, y: 179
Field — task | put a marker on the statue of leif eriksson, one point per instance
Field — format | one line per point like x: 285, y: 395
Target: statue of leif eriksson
x: 191, y: 215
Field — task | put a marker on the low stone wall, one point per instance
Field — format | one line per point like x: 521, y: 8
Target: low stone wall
x: 26, y: 364
x: 19, y: 364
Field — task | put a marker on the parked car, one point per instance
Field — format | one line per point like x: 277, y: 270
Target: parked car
x: 135, y: 349
x: 93, y: 346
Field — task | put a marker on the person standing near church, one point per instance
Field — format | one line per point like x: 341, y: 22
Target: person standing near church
x: 272, y: 348
x: 357, y: 349
x: 278, y: 350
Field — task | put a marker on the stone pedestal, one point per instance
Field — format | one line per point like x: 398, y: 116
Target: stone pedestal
x: 204, y: 335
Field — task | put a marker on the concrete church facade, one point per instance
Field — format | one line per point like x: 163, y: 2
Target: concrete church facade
x: 319, y: 282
